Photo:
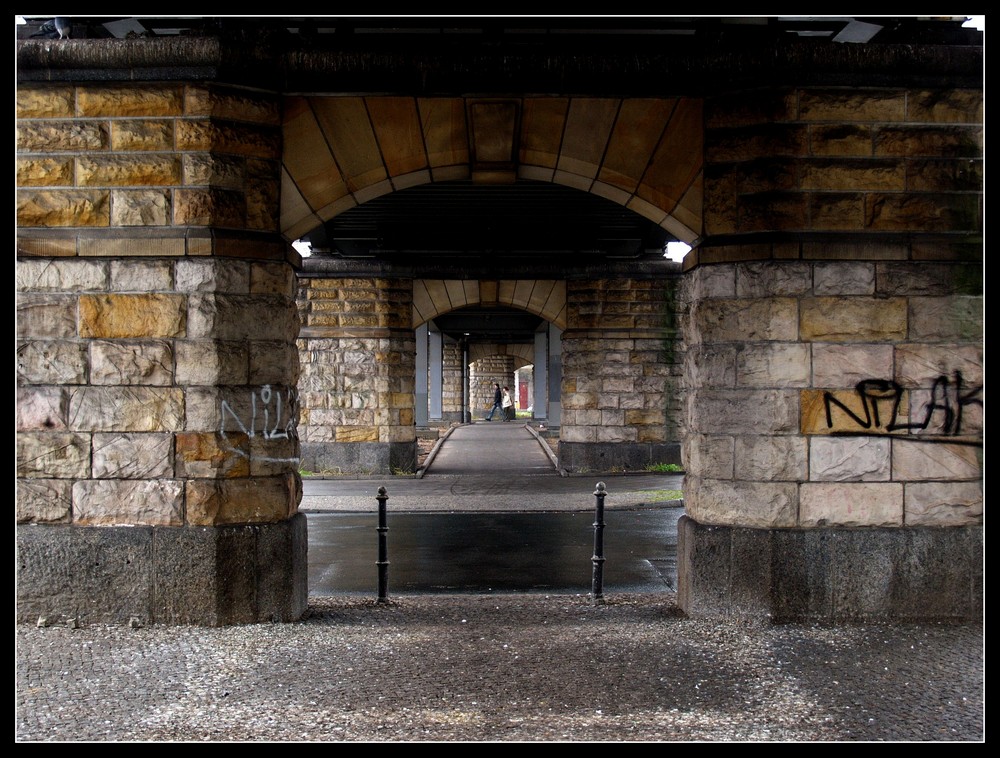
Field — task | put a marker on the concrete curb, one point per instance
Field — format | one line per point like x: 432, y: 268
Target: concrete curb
x: 434, y: 451
x: 545, y: 447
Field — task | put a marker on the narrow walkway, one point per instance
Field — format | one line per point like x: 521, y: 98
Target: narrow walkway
x: 490, y: 467
x: 493, y: 450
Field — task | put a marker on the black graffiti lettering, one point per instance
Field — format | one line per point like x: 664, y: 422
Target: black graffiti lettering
x: 871, y: 392
x: 947, y: 397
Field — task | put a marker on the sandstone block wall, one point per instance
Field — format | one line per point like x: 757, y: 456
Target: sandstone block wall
x: 812, y: 407
x: 621, y: 366
x: 358, y: 357
x: 156, y: 369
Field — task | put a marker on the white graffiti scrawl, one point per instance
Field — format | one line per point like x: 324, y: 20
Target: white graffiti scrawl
x: 272, y: 417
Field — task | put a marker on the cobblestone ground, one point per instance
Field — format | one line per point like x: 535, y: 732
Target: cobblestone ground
x: 500, y: 668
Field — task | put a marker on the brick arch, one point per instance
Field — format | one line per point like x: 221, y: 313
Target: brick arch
x: 523, y: 355
x: 642, y: 153
x: 541, y: 297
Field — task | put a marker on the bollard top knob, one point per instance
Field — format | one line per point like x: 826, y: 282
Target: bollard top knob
x: 381, y: 491
x: 601, y: 489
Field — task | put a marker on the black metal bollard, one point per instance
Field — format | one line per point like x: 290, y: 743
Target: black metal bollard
x: 383, y: 552
x: 597, y: 589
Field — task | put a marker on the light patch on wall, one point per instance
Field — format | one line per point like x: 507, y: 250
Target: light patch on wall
x: 303, y: 248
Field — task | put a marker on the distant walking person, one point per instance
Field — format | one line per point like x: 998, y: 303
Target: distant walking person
x: 497, y: 402
x: 508, y: 405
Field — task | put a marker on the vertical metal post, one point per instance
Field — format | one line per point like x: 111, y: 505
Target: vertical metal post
x: 383, y: 552
x: 597, y: 589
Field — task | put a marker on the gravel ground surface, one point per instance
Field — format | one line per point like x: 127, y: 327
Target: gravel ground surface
x: 511, y: 668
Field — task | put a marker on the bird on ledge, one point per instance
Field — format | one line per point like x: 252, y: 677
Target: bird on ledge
x: 56, y: 28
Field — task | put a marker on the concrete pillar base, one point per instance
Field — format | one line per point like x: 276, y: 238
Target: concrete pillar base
x: 206, y: 576
x: 616, y: 456
x: 830, y: 574
x: 358, y: 457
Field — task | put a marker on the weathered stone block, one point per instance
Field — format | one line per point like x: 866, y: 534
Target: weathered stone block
x: 212, y: 363
x: 126, y: 409
x: 751, y: 504
x: 130, y: 100
x: 773, y: 211
x: 856, y: 504
x: 836, y: 211
x: 131, y: 363
x: 212, y: 455
x: 943, y: 503
x: 133, y: 456
x: 60, y: 136
x: 843, y: 366
x: 841, y: 140
x: 931, y: 141
x: 710, y: 366
x: 39, y: 408
x: 141, y: 275
x: 853, y: 175
x: 743, y: 411
x: 851, y: 105
x: 46, y: 317
x: 32, y: 101
x: 773, y: 279
x: 53, y: 455
x: 44, y: 172
x: 945, y: 175
x: 60, y: 275
x: 917, y: 461
x: 231, y: 104
x: 209, y: 207
x: 849, y: 459
x: 930, y: 279
x: 773, y: 365
x: 272, y: 279
x: 760, y: 141
x: 142, y: 135
x: 911, y: 212
x: 124, y: 316
x: 221, y: 171
x: 956, y: 367
x: 708, y: 456
x: 240, y: 501
x: 43, y: 501
x: 218, y: 276
x: 747, y: 320
x: 134, y: 170
x: 235, y: 139
x: 844, y: 278
x: 50, y: 362
x: 53, y: 208
x: 140, y: 208
x: 946, y: 106
x: 768, y: 459
x: 870, y: 408
x: 234, y: 317
x: 852, y: 319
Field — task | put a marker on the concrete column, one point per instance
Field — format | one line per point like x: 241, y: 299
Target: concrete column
x: 541, y: 374
x: 420, y: 393
x: 435, y: 359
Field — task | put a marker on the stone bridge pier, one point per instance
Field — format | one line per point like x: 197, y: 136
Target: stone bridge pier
x: 816, y: 362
